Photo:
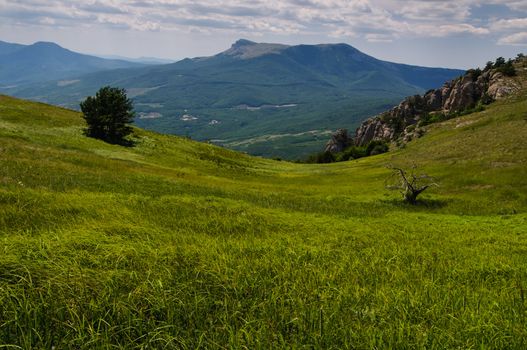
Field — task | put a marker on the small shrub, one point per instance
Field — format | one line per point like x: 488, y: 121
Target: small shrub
x: 486, y: 99
x: 322, y: 157
x: 474, y: 73
x: 431, y: 118
x: 507, y: 69
x: 376, y: 147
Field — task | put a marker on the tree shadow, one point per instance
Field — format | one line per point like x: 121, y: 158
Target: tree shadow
x: 420, y: 204
x: 125, y: 142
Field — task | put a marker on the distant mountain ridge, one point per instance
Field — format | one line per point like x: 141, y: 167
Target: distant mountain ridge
x: 142, y: 59
x: 308, y: 90
x: 42, y: 61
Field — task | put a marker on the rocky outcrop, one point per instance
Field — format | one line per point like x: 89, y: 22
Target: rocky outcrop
x: 461, y: 94
x: 339, y: 141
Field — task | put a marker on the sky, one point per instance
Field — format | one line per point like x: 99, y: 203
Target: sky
x: 436, y: 33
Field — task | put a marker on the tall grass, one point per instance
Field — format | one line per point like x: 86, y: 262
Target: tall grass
x: 176, y: 244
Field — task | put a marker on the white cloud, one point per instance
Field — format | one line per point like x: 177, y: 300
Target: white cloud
x: 515, y: 5
x: 514, y: 23
x: 462, y: 28
x: 379, y: 38
x: 517, y: 39
x: 434, y: 11
x: 375, y: 20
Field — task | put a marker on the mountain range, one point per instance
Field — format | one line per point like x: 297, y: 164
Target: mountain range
x: 42, y: 61
x: 265, y: 99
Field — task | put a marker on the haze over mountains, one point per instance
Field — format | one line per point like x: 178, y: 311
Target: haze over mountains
x: 266, y: 99
x: 42, y: 61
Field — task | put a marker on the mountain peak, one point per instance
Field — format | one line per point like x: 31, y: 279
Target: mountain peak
x: 46, y: 44
x: 243, y: 42
x: 246, y: 49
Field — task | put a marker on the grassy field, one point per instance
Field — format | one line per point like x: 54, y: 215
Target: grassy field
x: 178, y: 244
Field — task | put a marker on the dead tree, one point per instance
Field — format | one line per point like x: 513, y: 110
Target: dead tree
x: 409, y: 184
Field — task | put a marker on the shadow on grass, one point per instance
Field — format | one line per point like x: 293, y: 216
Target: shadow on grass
x: 125, y: 142
x: 424, y: 203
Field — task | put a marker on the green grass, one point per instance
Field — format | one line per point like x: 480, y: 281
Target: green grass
x: 178, y: 244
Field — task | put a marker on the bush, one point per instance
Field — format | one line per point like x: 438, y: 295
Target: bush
x: 376, y: 147
x: 350, y: 153
x: 353, y: 152
x: 486, y: 99
x: 431, y: 118
x: 108, y: 115
x: 322, y: 157
x: 502, y: 66
x: 500, y: 61
x: 474, y: 73
x: 507, y: 69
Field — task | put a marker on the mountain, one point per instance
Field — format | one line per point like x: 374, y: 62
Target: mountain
x: 176, y: 244
x: 7, y: 48
x: 43, y: 61
x: 265, y: 99
x: 143, y: 60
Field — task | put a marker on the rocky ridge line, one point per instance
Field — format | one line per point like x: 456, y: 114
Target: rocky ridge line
x: 403, y: 121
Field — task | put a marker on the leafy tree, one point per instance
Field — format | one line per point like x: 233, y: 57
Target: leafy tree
x: 376, y: 147
x: 474, y: 73
x: 507, y: 69
x: 500, y: 61
x: 108, y: 115
x: 488, y: 66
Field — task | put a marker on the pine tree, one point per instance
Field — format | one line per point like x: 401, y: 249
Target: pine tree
x: 108, y: 115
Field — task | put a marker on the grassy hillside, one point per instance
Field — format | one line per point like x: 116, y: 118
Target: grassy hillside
x: 178, y: 244
x: 264, y: 99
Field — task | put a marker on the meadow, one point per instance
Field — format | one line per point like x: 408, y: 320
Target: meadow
x: 185, y: 245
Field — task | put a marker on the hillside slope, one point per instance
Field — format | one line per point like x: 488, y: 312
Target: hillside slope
x: 44, y: 61
x: 180, y: 244
x: 472, y: 91
x: 265, y: 99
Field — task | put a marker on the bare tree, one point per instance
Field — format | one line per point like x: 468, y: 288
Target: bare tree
x: 409, y: 183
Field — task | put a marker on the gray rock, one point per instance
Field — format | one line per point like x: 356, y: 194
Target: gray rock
x: 339, y: 141
x: 454, y: 96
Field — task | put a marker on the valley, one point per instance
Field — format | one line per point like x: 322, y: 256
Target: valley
x: 254, y: 89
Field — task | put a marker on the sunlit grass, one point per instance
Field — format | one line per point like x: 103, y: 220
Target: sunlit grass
x: 179, y: 244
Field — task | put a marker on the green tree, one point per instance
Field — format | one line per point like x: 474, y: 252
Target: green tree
x: 500, y: 61
x: 108, y: 115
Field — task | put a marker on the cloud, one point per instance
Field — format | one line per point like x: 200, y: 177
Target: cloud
x: 462, y: 28
x: 379, y: 38
x: 100, y: 7
x: 515, y: 5
x: 374, y: 20
x: 517, y: 39
x: 434, y: 11
x: 506, y: 24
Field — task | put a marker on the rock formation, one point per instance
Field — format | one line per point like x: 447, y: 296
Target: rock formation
x: 463, y: 93
x: 339, y: 141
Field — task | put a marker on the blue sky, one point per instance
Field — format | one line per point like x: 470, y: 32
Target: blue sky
x: 458, y: 34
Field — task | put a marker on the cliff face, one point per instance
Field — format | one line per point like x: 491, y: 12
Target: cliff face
x: 454, y: 96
